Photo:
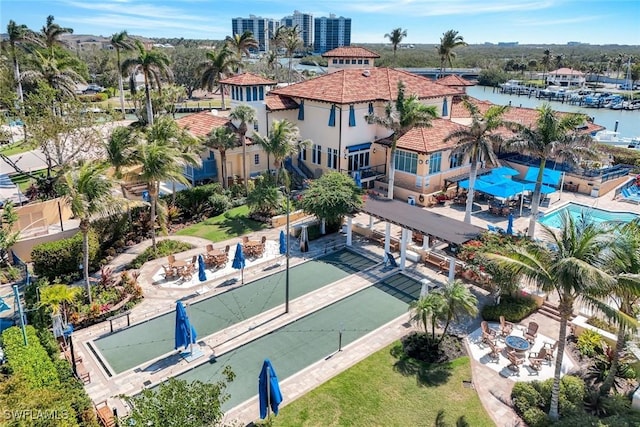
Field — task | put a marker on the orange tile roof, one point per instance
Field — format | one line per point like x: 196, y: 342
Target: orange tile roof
x: 279, y: 102
x: 247, y: 79
x: 430, y: 139
x: 454, y: 80
x: 200, y: 124
x: 569, y: 71
x: 350, y: 52
x: 352, y: 85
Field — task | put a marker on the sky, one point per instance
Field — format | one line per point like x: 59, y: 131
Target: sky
x: 478, y: 21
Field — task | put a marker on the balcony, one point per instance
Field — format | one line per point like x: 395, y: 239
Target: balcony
x: 208, y: 171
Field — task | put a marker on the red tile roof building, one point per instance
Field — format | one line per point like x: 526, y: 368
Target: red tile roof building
x: 350, y: 52
x: 247, y: 79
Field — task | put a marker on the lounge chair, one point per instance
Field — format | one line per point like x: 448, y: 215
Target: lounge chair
x: 536, y: 359
x: 532, y: 332
x: 505, y: 327
x: 105, y: 414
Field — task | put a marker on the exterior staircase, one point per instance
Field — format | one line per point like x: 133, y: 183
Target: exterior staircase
x: 550, y: 310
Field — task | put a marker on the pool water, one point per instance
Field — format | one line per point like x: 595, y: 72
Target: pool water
x: 595, y: 215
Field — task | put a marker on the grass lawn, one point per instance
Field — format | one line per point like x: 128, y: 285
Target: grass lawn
x: 232, y: 223
x: 15, y: 148
x: 24, y: 181
x: 383, y: 391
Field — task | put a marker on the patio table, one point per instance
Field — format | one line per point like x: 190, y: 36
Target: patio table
x: 517, y: 343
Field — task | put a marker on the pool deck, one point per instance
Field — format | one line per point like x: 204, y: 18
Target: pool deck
x: 492, y: 389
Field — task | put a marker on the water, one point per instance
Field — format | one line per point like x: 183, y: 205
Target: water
x: 628, y: 121
x: 554, y: 218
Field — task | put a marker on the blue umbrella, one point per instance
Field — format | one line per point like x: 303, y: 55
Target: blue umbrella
x: 357, y: 177
x: 239, y: 261
x: 185, y: 332
x: 510, y: 225
x: 283, y: 243
x: 268, y: 390
x: 202, y: 275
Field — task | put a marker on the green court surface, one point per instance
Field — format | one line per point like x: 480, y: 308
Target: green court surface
x: 145, y: 341
x: 310, y: 339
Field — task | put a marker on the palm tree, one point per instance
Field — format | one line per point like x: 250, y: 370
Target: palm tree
x: 160, y: 159
x: 620, y: 59
x: 427, y: 310
x: 242, y: 43
x: 395, y: 38
x: 407, y: 114
x: 120, y: 41
x: 17, y: 36
x: 559, y: 60
x: 291, y: 41
x: 625, y: 263
x: 449, y: 41
x: 458, y: 302
x: 58, y: 297
x: 572, y: 269
x: 51, y: 33
x: 154, y: 64
x: 546, y: 63
x: 222, y: 139
x: 476, y: 142
x: 281, y: 143
x: 553, y: 136
x: 58, y: 73
x: 244, y: 114
x: 88, y: 193
x: 118, y: 148
x: 219, y: 64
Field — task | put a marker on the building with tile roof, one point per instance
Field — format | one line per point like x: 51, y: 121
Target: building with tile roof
x: 349, y: 57
x: 566, y: 77
x: 454, y: 80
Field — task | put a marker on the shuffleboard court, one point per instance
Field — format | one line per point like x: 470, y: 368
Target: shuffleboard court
x: 145, y: 341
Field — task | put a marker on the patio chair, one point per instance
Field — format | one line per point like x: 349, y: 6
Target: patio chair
x: 536, y: 359
x: 194, y: 259
x: 488, y: 334
x: 105, y: 414
x: 494, y: 354
x: 226, y: 249
x: 171, y: 259
x: 263, y: 240
x: 187, y: 272
x: 551, y: 349
x: 505, y: 327
x: 245, y: 239
x: 514, y: 361
x: 169, y: 272
x: 209, y: 248
x: 532, y: 332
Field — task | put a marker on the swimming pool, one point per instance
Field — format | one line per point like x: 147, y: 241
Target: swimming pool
x: 554, y: 218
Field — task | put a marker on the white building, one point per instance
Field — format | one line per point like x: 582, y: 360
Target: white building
x: 566, y: 77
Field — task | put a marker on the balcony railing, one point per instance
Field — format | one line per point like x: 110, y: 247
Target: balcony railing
x: 369, y: 173
x: 207, y: 171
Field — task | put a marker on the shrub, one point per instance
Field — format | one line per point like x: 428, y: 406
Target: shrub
x: 514, y: 309
x: 535, y: 417
x: 602, y: 324
x: 525, y: 396
x: 588, y: 342
x: 163, y: 248
x: 62, y: 257
x: 31, y: 362
x: 194, y: 202
x: 219, y: 204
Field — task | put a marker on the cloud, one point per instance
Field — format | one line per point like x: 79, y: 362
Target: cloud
x: 142, y: 10
x: 559, y: 21
x: 444, y: 8
x: 136, y: 25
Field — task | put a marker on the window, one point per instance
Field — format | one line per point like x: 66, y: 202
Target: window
x: 316, y: 154
x: 248, y: 94
x: 332, y: 158
x: 255, y: 93
x: 366, y: 62
x: 455, y: 161
x: 405, y: 161
x: 256, y: 159
x: 435, y: 161
x: 332, y: 116
x: 240, y: 93
x: 358, y: 160
x: 341, y: 61
x: 352, y: 116
x: 335, y: 61
x: 302, y: 154
x: 360, y: 61
x: 261, y: 93
x: 255, y: 126
x: 353, y: 61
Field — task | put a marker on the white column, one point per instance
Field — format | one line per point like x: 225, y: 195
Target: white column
x: 370, y: 222
x: 349, y: 230
x: 403, y: 247
x: 452, y: 269
x: 387, y: 238
x: 425, y: 242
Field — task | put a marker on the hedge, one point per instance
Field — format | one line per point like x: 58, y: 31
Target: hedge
x: 63, y: 257
x: 31, y: 362
x: 514, y: 309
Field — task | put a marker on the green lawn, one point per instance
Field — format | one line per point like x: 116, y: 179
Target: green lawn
x: 24, y: 181
x: 381, y: 391
x: 232, y: 223
x: 15, y: 148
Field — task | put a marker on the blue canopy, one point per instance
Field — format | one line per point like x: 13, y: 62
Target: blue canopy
x: 202, y: 275
x: 545, y: 189
x: 549, y: 176
x: 239, y: 261
x: 283, y: 243
x: 504, y: 171
x: 510, y: 224
x: 268, y: 390
x: 185, y: 333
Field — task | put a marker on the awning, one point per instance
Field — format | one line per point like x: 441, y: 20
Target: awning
x: 546, y: 189
x: 359, y: 147
x: 505, y: 171
x: 549, y: 176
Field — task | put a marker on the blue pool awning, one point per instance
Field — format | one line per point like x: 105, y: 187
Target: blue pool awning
x: 359, y: 147
x: 546, y: 189
x: 549, y: 176
x: 504, y: 171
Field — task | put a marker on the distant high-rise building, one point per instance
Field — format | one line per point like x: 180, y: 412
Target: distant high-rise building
x: 331, y: 33
x: 304, y: 21
x: 260, y: 27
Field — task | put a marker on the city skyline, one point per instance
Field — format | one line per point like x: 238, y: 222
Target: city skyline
x: 478, y: 21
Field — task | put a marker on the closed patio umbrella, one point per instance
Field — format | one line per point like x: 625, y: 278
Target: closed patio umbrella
x: 304, y: 239
x: 202, y: 275
x: 510, y: 225
x: 239, y: 261
x: 185, y: 333
x: 268, y: 390
x: 283, y: 243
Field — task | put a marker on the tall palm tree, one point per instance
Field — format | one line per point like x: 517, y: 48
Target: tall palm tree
x: 51, y: 33
x: 553, y: 136
x: 58, y: 73
x: 222, y: 139
x: 448, y: 42
x: 458, y: 302
x: 58, y: 298
x: 242, y: 44
x: 618, y: 61
x: 121, y: 41
x: 546, y: 63
x: 625, y: 263
x: 219, y: 63
x: 572, y: 269
x: 88, y: 193
x: 160, y: 159
x: 291, y: 41
x: 282, y: 142
x: 395, y: 38
x: 476, y: 142
x: 118, y: 148
x: 153, y: 64
x: 244, y: 114
x: 427, y: 310
x: 407, y: 114
x: 18, y: 35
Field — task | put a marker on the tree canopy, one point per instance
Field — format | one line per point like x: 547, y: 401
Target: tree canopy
x: 332, y: 196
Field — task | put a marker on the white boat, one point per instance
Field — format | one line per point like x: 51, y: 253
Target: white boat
x: 613, y: 138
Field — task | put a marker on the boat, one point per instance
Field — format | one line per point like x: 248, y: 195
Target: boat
x: 613, y: 138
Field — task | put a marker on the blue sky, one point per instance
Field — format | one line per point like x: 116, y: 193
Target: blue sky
x: 478, y: 21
